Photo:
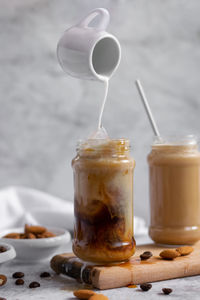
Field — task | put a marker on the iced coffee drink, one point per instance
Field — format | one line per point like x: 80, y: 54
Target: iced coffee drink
x: 103, y: 202
x: 174, y: 168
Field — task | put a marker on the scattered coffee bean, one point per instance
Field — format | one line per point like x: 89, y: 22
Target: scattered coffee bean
x: 145, y: 286
x: 167, y: 291
x: 18, y: 275
x: 2, y: 249
x: 45, y: 274
x: 146, y: 255
x: 34, y: 284
x: 19, y: 281
x: 3, y: 279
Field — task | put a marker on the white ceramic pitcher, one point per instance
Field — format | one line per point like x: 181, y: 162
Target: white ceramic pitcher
x: 89, y: 52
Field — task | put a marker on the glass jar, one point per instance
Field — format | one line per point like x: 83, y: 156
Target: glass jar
x: 174, y: 172
x: 103, y: 201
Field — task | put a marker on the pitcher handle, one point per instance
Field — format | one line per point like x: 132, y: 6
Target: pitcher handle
x: 103, y: 21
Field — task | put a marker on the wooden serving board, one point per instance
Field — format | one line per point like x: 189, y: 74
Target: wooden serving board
x: 134, y: 271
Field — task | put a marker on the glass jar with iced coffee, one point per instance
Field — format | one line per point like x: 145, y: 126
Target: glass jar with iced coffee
x: 103, y: 201
x: 174, y: 171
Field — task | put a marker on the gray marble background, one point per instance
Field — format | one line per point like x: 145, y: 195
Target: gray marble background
x: 43, y: 112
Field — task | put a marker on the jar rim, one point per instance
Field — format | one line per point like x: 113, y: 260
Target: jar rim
x: 176, y: 140
x: 103, y: 145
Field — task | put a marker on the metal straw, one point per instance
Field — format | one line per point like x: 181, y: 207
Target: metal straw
x: 147, y: 108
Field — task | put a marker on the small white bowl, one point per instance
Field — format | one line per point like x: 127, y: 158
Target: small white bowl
x: 7, y: 255
x: 29, y: 250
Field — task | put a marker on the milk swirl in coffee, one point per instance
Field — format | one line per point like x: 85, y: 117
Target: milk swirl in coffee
x: 103, y: 201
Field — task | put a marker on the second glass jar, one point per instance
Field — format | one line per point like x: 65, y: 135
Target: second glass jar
x: 174, y: 167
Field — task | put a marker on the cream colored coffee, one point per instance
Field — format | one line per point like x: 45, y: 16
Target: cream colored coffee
x: 174, y: 172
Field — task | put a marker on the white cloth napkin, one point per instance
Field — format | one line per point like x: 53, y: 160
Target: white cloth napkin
x: 20, y: 205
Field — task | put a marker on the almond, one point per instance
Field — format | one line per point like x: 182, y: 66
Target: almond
x: 34, y: 229
x: 84, y: 294
x: 3, y: 279
x: 185, y: 250
x: 48, y: 234
x: 30, y: 236
x: 169, y: 254
x: 22, y: 236
x: 98, y: 297
x: 31, y: 232
x: 40, y: 236
x: 12, y: 235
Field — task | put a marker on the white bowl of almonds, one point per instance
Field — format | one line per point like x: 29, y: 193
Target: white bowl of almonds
x: 34, y: 243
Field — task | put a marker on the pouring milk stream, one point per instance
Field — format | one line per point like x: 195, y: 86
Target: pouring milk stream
x: 87, y: 51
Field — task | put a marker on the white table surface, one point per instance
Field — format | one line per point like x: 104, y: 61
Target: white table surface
x: 61, y: 288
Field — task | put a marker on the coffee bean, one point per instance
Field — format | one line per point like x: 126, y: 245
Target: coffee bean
x: 45, y: 274
x: 2, y: 249
x: 34, y: 284
x: 167, y: 291
x: 145, y: 286
x: 19, y: 281
x: 146, y: 255
x: 18, y: 275
x: 2, y: 298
